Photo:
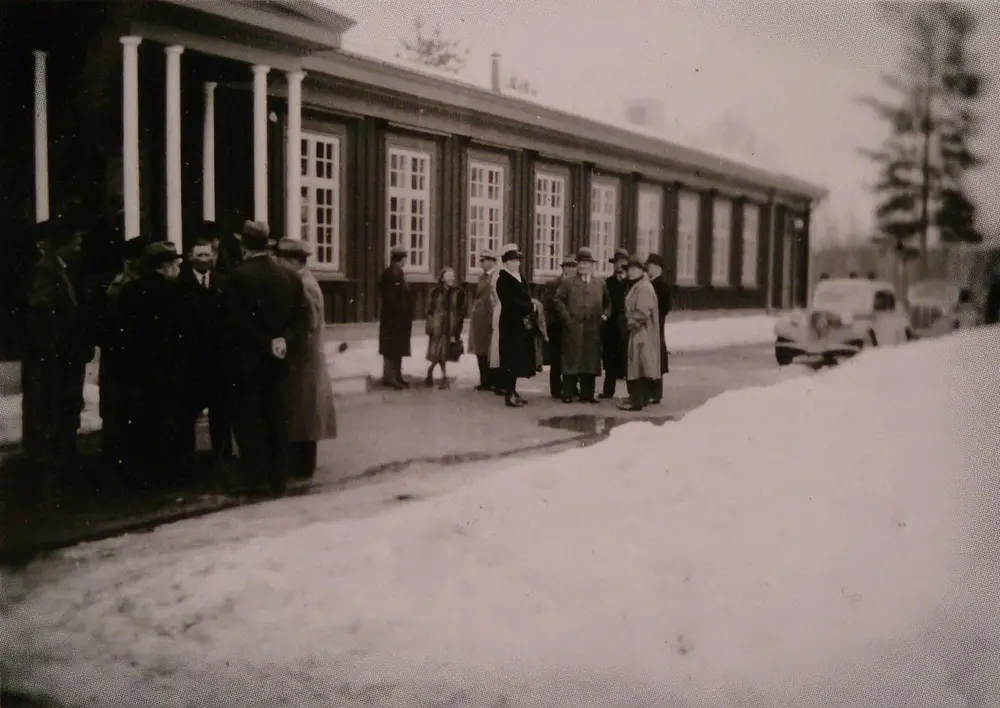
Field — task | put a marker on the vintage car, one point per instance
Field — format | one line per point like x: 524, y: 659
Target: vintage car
x: 938, y: 307
x: 846, y: 315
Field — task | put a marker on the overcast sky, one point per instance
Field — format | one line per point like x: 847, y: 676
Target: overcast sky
x: 786, y: 71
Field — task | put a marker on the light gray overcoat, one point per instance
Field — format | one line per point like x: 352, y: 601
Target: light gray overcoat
x: 642, y: 314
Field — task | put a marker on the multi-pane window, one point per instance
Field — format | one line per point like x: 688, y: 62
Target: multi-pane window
x: 486, y: 195
x: 409, y: 196
x: 320, y: 169
x: 550, y: 222
x: 650, y: 221
x: 722, y: 222
x: 687, y: 237
x: 603, y: 223
x: 751, y: 233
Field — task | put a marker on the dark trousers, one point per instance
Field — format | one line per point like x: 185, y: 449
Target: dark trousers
x: 506, y: 381
x: 610, y: 386
x: 497, y: 380
x: 583, y: 385
x: 555, y: 373
x: 260, y: 425
x: 640, y: 391
x: 656, y: 389
x: 153, y: 438
x: 302, y: 459
x: 392, y: 369
x: 485, y: 372
x: 51, y: 403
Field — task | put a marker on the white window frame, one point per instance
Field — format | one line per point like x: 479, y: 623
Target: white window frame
x: 549, y: 226
x: 418, y: 257
x: 649, y: 220
x: 603, y: 232
x: 486, y: 211
x: 751, y: 245
x: 688, y: 225
x: 326, y: 253
x: 722, y: 234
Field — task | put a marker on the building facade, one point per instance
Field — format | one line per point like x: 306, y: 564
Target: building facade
x: 159, y: 115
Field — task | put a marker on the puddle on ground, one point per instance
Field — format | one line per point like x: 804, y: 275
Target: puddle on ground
x: 584, y: 423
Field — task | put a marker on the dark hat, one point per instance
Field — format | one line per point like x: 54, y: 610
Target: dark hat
x: 621, y: 254
x: 654, y: 259
x: 134, y: 248
x: 56, y: 232
x: 634, y: 262
x: 211, y: 230
x: 160, y: 252
x: 487, y: 256
x: 293, y: 247
x: 255, y: 236
x: 510, y: 252
x: 568, y: 261
x: 585, y: 255
x: 398, y: 253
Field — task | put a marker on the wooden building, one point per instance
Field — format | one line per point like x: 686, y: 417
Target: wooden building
x: 160, y: 114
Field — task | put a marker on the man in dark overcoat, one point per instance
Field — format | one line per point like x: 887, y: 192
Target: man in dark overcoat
x: 481, y: 325
x: 553, y: 323
x: 991, y: 309
x: 154, y: 354
x: 228, y: 252
x: 57, y: 347
x: 583, y: 306
x: 664, y: 300
x: 614, y: 334
x: 112, y: 368
x: 267, y: 317
x: 202, y: 288
x: 395, y: 326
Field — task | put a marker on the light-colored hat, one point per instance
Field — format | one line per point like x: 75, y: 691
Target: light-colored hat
x: 397, y: 252
x: 487, y: 256
x: 584, y: 255
x: 294, y: 247
x: 510, y: 252
x: 256, y: 235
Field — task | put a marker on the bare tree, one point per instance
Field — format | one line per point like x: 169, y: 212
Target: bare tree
x: 519, y: 86
x: 433, y: 50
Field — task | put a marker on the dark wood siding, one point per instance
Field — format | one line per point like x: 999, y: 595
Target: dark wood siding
x: 736, y: 244
x: 802, y: 262
x: 705, y: 221
x: 668, y: 241
x: 628, y: 206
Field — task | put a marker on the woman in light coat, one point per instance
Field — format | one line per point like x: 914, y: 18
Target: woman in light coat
x: 308, y: 392
x: 642, y: 316
x: 481, y: 326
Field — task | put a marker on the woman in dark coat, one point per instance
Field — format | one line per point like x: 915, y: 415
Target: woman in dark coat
x: 445, y: 318
x: 515, y: 326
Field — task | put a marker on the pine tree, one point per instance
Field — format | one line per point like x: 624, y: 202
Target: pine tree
x: 923, y: 162
x: 433, y: 49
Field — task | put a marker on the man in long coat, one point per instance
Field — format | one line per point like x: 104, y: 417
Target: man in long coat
x: 664, y: 300
x: 553, y: 324
x: 583, y: 306
x: 481, y: 326
x: 155, y: 360
x: 395, y: 325
x: 642, y: 317
x: 268, y: 319
x: 614, y: 334
x: 57, y: 347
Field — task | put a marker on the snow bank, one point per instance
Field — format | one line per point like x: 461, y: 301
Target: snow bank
x: 10, y: 415
x: 827, y: 541
x: 361, y: 358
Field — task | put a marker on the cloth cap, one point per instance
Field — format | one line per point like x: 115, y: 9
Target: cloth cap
x: 256, y: 235
x: 294, y: 247
x: 160, y: 252
x: 621, y: 254
x: 585, y: 255
x: 654, y: 259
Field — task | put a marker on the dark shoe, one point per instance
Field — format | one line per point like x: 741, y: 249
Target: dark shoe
x: 398, y: 385
x: 499, y: 392
x: 483, y: 387
x: 568, y: 399
x: 605, y: 396
x: 445, y: 384
x: 513, y: 402
x: 429, y: 381
x: 520, y: 399
x: 589, y: 400
x: 654, y: 401
x: 629, y: 406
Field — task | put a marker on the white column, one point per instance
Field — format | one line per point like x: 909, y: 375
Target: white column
x: 208, y: 155
x: 260, y: 142
x: 41, y: 140
x: 293, y: 168
x: 130, y: 133
x: 175, y: 215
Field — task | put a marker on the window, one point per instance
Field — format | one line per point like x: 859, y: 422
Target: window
x: 722, y: 222
x: 409, y: 196
x: 550, y: 222
x: 486, y: 197
x: 650, y: 221
x: 321, y: 199
x: 603, y: 223
x: 687, y: 237
x: 751, y: 233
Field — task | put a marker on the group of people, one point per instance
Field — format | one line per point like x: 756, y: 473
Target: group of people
x: 236, y: 330
x: 582, y: 324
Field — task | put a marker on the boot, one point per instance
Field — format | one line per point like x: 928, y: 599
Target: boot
x: 637, y: 396
x: 656, y: 391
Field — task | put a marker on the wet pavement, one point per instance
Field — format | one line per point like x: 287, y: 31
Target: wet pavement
x: 599, y: 425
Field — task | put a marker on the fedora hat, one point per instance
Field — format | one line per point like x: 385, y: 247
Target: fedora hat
x: 585, y: 255
x: 293, y: 247
x: 621, y: 254
x: 655, y: 259
x: 487, y: 256
x: 158, y: 253
x: 568, y: 261
x: 134, y: 247
x: 255, y: 235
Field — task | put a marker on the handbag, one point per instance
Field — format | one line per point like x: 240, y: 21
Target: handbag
x: 455, y: 349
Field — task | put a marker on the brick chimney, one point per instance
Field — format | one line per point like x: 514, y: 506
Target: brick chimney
x: 495, y: 75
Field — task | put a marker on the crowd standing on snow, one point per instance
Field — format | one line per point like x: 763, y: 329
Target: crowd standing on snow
x: 582, y: 323
x: 237, y: 331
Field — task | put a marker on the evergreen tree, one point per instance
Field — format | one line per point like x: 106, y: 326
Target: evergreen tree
x: 932, y: 119
x: 433, y: 49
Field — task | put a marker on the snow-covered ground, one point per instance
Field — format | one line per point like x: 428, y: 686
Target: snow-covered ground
x: 826, y: 541
x: 10, y: 415
x: 361, y: 358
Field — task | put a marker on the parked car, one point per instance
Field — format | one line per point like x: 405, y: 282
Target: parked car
x: 938, y: 307
x: 846, y: 315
